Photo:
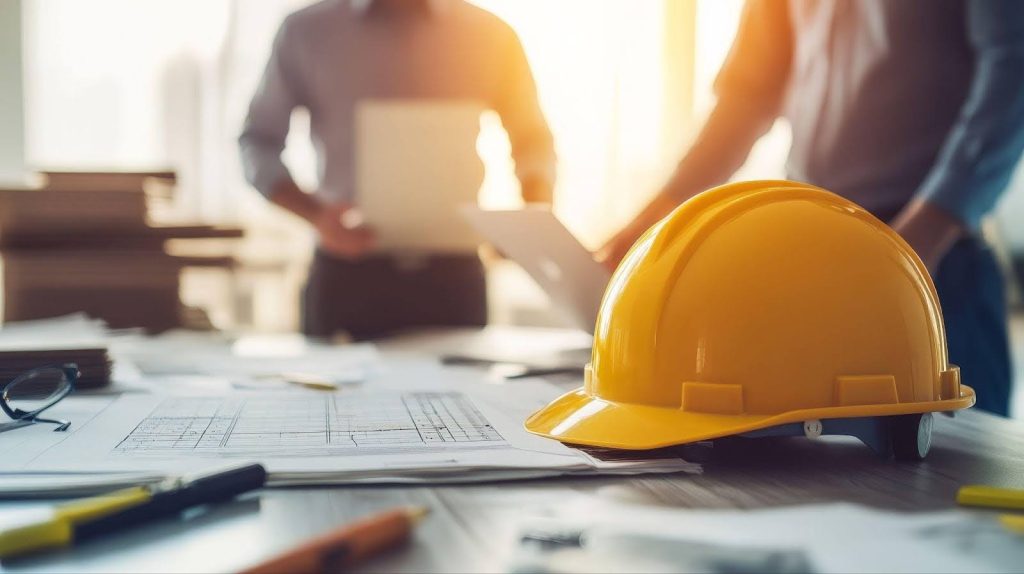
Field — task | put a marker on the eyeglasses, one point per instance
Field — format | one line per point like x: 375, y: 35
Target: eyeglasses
x: 31, y: 393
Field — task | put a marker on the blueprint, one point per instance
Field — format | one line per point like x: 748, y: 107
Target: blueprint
x: 413, y: 425
x: 335, y: 423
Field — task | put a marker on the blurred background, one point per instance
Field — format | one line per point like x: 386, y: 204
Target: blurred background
x: 163, y: 86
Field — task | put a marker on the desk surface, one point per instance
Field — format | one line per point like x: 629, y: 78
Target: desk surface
x: 471, y: 526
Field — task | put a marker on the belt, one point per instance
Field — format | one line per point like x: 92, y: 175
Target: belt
x: 411, y: 261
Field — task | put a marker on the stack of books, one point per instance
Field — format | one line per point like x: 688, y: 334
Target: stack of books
x: 85, y: 242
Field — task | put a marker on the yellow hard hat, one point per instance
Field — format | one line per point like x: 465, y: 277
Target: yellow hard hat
x: 755, y: 305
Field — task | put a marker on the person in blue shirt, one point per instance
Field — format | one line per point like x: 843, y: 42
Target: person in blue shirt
x: 913, y: 108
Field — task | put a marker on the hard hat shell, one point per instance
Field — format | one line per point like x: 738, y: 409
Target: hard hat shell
x: 753, y: 305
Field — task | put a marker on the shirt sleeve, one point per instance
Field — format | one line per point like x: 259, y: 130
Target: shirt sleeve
x: 983, y: 148
x: 516, y: 102
x: 757, y: 67
x: 267, y: 123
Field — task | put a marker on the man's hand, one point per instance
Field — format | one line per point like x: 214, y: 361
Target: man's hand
x: 929, y: 230
x: 337, y: 224
x: 614, y: 250
x: 342, y: 232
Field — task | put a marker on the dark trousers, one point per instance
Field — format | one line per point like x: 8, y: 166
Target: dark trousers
x: 972, y: 293
x: 377, y: 296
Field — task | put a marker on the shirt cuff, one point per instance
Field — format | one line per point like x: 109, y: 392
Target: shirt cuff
x: 960, y: 198
x: 267, y: 175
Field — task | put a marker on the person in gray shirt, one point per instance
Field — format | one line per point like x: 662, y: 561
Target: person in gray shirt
x: 912, y: 108
x: 327, y: 58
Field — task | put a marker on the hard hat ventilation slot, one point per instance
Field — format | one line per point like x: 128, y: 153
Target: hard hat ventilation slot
x: 866, y: 390
x: 713, y: 398
x: 949, y: 383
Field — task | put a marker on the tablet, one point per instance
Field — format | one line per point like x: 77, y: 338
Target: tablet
x: 549, y: 252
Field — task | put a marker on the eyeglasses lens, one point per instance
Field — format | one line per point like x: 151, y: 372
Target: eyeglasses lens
x: 37, y: 390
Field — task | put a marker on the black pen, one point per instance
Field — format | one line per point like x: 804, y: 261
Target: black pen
x: 175, y: 496
x: 87, y: 518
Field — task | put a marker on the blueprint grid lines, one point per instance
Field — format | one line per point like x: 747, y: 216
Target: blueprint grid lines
x: 350, y: 421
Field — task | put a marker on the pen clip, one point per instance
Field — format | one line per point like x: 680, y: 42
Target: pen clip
x: 169, y: 485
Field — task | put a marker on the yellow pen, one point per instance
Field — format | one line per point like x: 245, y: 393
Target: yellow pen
x: 89, y: 518
x: 990, y: 497
x: 59, y: 529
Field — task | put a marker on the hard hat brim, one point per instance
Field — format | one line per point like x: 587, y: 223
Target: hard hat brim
x: 579, y: 418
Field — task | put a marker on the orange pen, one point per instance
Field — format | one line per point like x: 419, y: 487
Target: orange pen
x: 342, y: 548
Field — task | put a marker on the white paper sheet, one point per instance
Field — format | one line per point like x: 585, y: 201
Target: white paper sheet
x: 17, y: 485
x: 19, y: 446
x: 459, y: 429
x: 834, y: 537
x: 66, y: 332
x: 193, y: 353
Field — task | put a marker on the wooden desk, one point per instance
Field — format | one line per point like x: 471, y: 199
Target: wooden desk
x: 471, y: 527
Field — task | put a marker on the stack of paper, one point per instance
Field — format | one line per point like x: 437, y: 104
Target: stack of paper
x: 219, y: 354
x: 19, y: 485
x: 93, y: 363
x: 413, y: 425
x: 74, y: 339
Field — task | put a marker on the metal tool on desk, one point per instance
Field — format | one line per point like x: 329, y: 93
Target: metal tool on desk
x: 554, y: 547
x: 348, y: 545
x: 89, y: 518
